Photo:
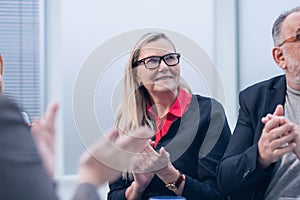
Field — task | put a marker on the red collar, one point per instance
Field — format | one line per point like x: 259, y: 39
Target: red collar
x: 176, y: 111
x: 179, y: 106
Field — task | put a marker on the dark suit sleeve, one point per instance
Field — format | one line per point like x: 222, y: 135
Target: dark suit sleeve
x: 22, y: 175
x: 238, y: 171
x: 211, y: 152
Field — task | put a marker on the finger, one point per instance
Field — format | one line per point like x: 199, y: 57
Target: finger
x: 279, y: 110
x: 139, y: 137
x: 266, y: 118
x: 51, y: 113
x: 281, y: 151
x: 282, y: 141
x: 148, y: 148
x: 164, y: 153
x: 279, y: 132
x: 112, y: 134
x: 271, y: 124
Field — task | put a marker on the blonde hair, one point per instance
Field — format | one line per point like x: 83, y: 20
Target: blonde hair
x: 132, y: 111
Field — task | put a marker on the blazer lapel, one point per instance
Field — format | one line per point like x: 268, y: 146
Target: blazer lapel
x: 276, y: 95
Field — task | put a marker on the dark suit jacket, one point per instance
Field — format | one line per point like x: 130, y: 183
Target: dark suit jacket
x: 239, y: 174
x: 185, y: 141
x: 22, y: 174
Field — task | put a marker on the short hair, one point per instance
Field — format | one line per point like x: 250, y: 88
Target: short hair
x: 276, y: 29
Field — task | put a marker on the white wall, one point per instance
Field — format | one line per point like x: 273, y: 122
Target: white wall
x: 85, y: 25
x: 76, y: 28
x: 256, y: 19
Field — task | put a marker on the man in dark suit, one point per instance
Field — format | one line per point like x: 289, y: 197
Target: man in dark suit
x: 262, y: 158
x: 27, y: 158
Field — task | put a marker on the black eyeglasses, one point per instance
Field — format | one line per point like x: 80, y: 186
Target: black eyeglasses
x: 153, y: 62
x: 291, y: 39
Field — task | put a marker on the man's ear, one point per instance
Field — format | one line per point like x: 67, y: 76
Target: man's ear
x: 278, y: 57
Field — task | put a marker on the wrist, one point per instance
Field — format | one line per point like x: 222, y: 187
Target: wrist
x: 174, y: 186
x: 137, y: 187
x: 168, y: 174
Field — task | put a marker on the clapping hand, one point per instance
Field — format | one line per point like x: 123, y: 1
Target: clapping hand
x: 43, y: 132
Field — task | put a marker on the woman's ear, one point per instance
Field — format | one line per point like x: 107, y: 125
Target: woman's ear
x: 278, y: 57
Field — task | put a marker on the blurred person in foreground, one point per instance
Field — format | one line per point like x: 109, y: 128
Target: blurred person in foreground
x: 262, y: 158
x: 27, y: 159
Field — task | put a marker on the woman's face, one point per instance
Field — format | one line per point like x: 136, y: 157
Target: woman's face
x: 163, y: 78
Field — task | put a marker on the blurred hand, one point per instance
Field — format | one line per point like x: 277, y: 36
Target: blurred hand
x: 154, y: 161
x: 43, y: 132
x: 142, y: 180
x: 105, y: 160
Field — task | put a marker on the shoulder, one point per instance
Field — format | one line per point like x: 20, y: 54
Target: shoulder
x: 208, y: 105
x: 9, y: 108
x: 263, y: 86
x: 5, y: 102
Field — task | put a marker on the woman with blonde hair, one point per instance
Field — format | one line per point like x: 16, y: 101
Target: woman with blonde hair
x: 191, y: 131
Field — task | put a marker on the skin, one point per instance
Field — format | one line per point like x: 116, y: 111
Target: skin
x: 43, y: 132
x: 280, y: 135
x: 162, y: 84
x: 287, y: 56
x: 92, y: 169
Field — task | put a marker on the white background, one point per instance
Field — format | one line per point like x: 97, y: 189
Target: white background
x: 235, y: 33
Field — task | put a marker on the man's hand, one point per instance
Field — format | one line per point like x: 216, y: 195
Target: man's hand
x: 276, y: 140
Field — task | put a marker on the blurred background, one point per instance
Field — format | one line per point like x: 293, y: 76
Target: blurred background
x: 45, y: 42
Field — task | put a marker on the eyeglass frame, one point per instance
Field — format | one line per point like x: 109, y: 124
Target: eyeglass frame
x: 137, y: 63
x: 290, y: 39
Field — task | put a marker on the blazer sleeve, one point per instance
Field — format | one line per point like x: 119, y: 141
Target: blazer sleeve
x: 219, y: 134
x: 21, y: 170
x: 238, y: 170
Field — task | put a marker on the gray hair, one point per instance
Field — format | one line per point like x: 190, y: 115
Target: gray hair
x: 276, y: 30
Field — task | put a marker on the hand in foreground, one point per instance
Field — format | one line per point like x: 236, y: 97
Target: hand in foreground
x: 43, y: 132
x: 104, y: 160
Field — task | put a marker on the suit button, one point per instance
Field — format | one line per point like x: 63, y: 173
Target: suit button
x: 246, y: 172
